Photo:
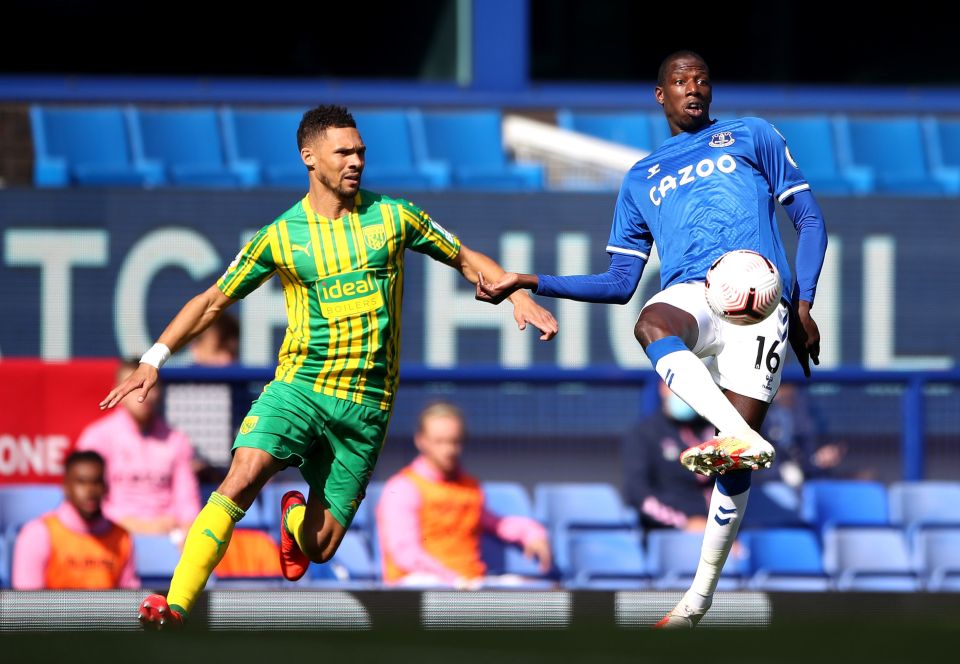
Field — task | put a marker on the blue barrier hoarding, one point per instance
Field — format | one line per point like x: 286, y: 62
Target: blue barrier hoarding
x: 99, y: 273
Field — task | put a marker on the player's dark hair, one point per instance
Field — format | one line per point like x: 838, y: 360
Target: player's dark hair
x: 670, y: 59
x: 88, y: 456
x: 317, y: 120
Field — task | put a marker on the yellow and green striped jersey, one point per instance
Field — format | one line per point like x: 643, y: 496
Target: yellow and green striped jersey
x: 343, y: 285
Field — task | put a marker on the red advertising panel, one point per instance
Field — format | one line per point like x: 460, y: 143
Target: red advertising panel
x: 43, y: 408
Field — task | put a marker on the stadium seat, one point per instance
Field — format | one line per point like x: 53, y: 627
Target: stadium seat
x: 567, y: 507
x: 354, y: 558
x: 785, y: 559
x: 869, y: 559
x: 396, y: 154
x: 943, y: 136
x: 826, y: 503
x: 472, y: 143
x: 772, y: 504
x: 627, y: 128
x: 915, y: 504
x: 894, y: 149
x: 21, y: 503
x: 6, y: 559
x: 812, y: 143
x: 88, y: 146
x: 673, y: 555
x: 268, y: 138
x: 607, y: 559
x: 155, y: 558
x: 191, y: 145
x: 937, y: 557
x: 507, y: 499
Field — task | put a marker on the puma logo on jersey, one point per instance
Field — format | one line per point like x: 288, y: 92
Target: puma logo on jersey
x: 653, y: 170
x: 703, y: 169
x: 299, y: 247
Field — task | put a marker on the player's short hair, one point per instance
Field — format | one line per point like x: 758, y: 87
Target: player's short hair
x: 84, y: 456
x: 317, y: 120
x: 670, y: 59
x: 440, y: 409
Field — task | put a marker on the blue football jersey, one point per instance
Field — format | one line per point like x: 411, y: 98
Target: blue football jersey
x: 700, y: 195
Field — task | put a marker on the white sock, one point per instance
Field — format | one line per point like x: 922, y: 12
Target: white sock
x: 686, y: 375
x: 723, y: 522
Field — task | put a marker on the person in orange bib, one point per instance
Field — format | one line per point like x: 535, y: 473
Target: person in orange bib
x: 431, y: 514
x: 75, y: 546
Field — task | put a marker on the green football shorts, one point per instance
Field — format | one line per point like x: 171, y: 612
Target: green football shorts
x: 335, y: 442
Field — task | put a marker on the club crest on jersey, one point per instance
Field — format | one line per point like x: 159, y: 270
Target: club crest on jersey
x: 722, y: 139
x: 375, y: 236
x: 249, y: 424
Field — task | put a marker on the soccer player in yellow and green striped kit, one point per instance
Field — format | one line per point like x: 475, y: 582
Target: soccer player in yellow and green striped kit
x: 339, y: 254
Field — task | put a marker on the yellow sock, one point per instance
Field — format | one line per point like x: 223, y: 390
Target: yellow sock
x: 203, y: 549
x: 293, y: 521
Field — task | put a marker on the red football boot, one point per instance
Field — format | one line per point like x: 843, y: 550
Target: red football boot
x: 293, y: 561
x: 155, y: 613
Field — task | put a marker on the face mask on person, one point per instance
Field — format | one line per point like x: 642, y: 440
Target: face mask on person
x: 677, y: 409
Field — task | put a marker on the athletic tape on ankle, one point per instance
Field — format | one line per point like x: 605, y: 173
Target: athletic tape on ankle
x: 663, y: 347
x: 227, y: 505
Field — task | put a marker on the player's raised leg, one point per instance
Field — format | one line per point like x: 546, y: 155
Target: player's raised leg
x: 309, y: 533
x: 209, y: 536
x: 667, y: 334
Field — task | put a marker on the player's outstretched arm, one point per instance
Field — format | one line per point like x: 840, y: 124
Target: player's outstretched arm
x: 195, y: 316
x: 615, y: 286
x: 475, y: 266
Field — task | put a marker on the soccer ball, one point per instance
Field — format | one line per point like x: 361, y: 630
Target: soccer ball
x: 743, y: 287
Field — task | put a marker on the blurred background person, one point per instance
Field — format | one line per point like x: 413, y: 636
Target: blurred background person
x: 153, y: 488
x: 75, y: 546
x: 796, y: 431
x: 431, y: 514
x: 664, y: 493
x: 218, y: 345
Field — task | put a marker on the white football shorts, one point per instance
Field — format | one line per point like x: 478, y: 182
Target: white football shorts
x: 746, y: 359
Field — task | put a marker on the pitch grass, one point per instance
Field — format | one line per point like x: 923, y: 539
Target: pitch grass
x: 845, y: 640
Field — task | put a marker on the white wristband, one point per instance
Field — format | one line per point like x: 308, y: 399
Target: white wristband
x: 156, y: 356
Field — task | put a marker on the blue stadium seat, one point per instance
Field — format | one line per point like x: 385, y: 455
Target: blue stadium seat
x: 268, y: 138
x: 472, y: 143
x: 6, y: 559
x: 773, y: 504
x: 19, y: 504
x: 507, y: 499
x: 944, y: 141
x: 155, y: 558
x: 937, y: 557
x: 869, y: 559
x: 785, y: 559
x: 354, y: 558
x: 826, y: 503
x: 88, y: 146
x: 191, y: 145
x: 396, y: 154
x: 566, y: 507
x: 627, y: 128
x: 923, y: 503
x: 812, y: 143
x: 673, y: 555
x: 894, y: 148
x: 609, y: 559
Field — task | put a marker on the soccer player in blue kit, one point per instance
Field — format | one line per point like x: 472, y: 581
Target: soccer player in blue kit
x: 710, y: 188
